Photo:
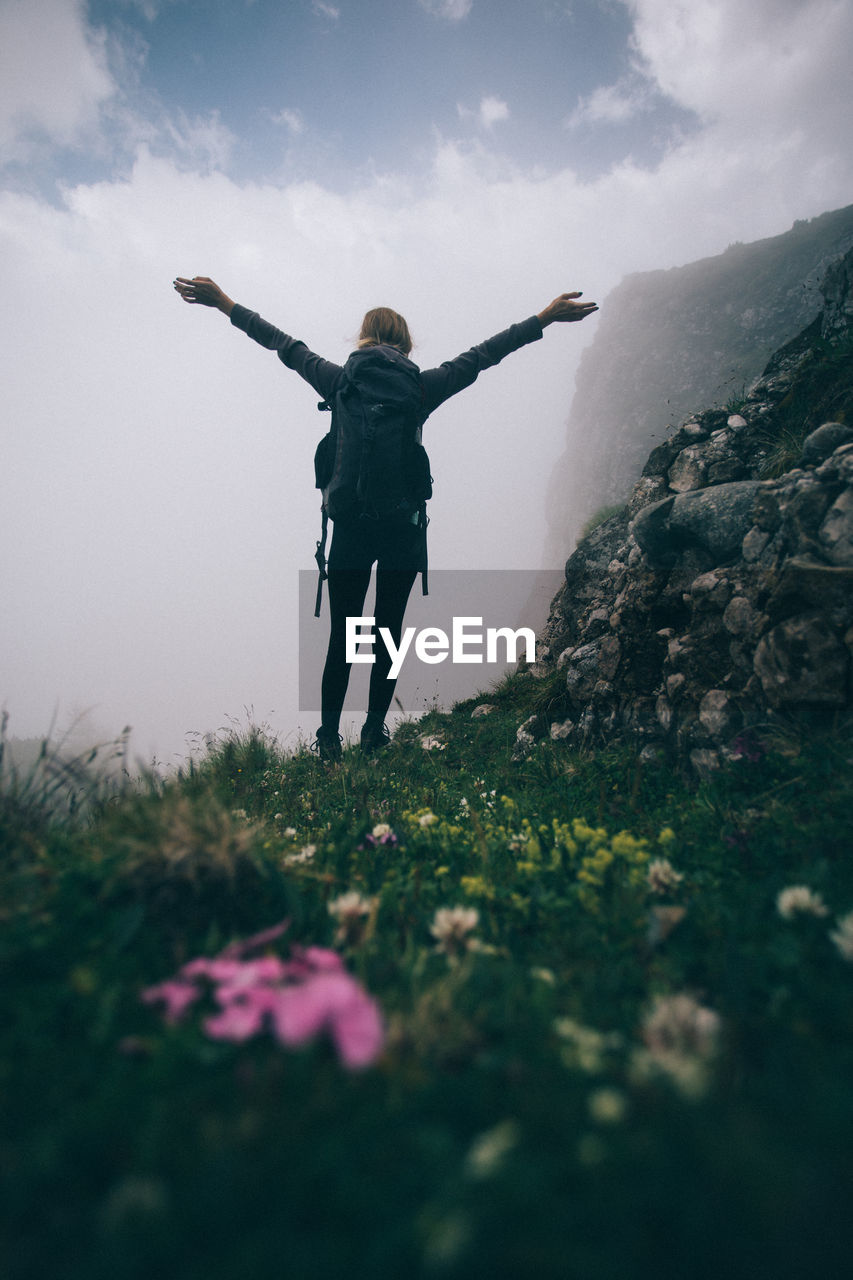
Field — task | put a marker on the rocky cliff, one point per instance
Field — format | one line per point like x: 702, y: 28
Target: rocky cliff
x: 720, y: 600
x: 668, y: 341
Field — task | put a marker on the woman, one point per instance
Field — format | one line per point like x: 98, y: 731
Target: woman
x: 394, y: 542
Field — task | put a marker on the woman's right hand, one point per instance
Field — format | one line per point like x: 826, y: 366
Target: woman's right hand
x: 205, y: 292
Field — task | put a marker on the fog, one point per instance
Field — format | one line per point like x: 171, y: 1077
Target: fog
x: 158, y: 502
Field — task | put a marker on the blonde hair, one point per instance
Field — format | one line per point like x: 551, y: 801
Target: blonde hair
x: 384, y: 327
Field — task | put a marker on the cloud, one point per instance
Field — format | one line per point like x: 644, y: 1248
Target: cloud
x: 54, y: 77
x: 491, y: 111
x: 323, y: 10
x: 291, y: 118
x: 612, y: 104
x: 452, y: 10
x: 203, y: 142
x: 767, y: 67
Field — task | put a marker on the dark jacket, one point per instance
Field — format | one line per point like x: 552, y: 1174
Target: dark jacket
x: 438, y: 384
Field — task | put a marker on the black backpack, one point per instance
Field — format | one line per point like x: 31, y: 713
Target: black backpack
x: 371, y: 464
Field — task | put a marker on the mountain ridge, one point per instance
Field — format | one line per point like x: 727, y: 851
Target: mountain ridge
x: 673, y: 339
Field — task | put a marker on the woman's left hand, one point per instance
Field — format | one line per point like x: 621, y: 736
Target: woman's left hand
x: 566, y: 308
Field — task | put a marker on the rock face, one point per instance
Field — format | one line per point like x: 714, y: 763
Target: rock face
x: 722, y: 597
x: 668, y: 341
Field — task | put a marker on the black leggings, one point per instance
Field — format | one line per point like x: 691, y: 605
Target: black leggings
x: 397, y: 551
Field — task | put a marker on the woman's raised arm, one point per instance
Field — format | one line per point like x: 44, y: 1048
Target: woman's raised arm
x: 204, y: 292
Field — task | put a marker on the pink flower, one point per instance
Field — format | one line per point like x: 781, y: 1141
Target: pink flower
x: 334, y: 1003
x: 176, y: 995
x: 298, y: 999
x: 357, y: 1030
x: 241, y: 1017
x: 319, y: 959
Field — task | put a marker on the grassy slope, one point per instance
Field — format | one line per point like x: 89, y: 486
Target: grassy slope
x: 513, y: 1125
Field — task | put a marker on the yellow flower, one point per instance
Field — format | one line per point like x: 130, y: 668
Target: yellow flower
x: 476, y: 887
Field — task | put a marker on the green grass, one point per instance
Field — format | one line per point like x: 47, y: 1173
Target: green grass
x: 822, y: 391
x: 599, y: 517
x: 517, y: 1122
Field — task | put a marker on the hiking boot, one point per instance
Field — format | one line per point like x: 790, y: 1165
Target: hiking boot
x: 374, y: 736
x: 328, y: 744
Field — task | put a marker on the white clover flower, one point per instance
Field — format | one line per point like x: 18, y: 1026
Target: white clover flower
x: 348, y: 905
x: 451, y: 927
x: 679, y: 1024
x: 276, y: 817
x: 380, y: 830
x: 304, y: 855
x: 430, y: 743
x: 843, y: 936
x: 681, y: 1039
x: 662, y: 876
x: 290, y: 832
x: 798, y: 899
x: 350, y: 909
x: 427, y: 819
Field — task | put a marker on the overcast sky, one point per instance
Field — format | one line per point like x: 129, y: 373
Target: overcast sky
x: 460, y: 160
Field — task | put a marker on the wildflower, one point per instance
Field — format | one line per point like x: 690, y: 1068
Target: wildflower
x: 544, y: 975
x: 431, y: 743
x: 290, y: 832
x: 678, y: 1024
x: 176, y: 995
x: 296, y: 999
x: 662, y: 876
x: 305, y: 854
x: 349, y: 904
x: 681, y: 1038
x: 489, y: 1150
x: 607, y: 1106
x: 333, y: 1002
x: 586, y: 1047
x: 451, y: 927
x: 381, y: 834
x: 843, y: 936
x: 476, y: 887
x: 798, y: 899
x: 427, y: 819
x: 349, y: 909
